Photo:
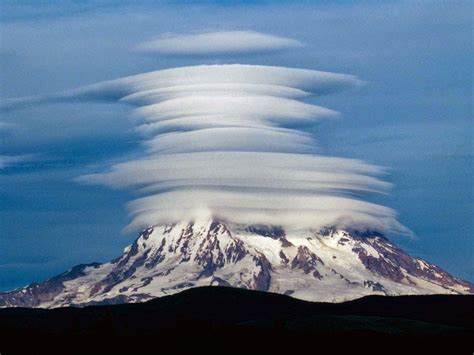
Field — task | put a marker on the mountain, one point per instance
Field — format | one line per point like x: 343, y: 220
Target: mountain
x: 330, y: 265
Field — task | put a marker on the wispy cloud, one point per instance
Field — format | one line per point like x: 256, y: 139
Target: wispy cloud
x: 7, y: 161
x: 221, y: 42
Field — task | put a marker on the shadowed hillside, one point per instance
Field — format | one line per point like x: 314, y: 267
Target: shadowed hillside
x: 237, y: 316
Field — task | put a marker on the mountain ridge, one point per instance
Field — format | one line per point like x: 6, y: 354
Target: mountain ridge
x: 327, y: 265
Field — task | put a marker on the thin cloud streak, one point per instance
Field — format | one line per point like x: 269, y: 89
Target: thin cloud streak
x: 7, y: 161
x: 217, y: 43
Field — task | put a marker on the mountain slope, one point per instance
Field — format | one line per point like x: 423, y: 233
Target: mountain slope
x: 327, y: 265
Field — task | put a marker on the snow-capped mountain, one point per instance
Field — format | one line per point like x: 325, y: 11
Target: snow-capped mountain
x: 327, y: 265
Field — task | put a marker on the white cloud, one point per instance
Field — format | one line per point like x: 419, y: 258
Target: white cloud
x: 221, y: 42
x: 292, y: 210
x: 225, y: 140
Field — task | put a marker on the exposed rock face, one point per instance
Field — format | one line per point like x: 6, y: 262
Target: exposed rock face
x: 327, y: 265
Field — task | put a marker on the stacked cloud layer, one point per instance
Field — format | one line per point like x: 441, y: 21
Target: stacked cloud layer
x: 227, y: 141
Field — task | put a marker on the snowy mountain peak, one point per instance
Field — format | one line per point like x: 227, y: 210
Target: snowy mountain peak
x: 326, y: 265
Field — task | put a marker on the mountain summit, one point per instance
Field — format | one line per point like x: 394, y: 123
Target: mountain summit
x: 330, y: 265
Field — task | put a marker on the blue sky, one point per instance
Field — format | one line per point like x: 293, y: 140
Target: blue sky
x: 414, y: 116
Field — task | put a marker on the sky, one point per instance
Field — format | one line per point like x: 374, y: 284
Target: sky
x: 412, y: 116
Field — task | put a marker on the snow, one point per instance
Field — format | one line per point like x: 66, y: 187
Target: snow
x: 343, y: 273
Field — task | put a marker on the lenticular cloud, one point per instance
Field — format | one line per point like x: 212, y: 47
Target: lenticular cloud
x: 227, y: 141
x: 215, y: 43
